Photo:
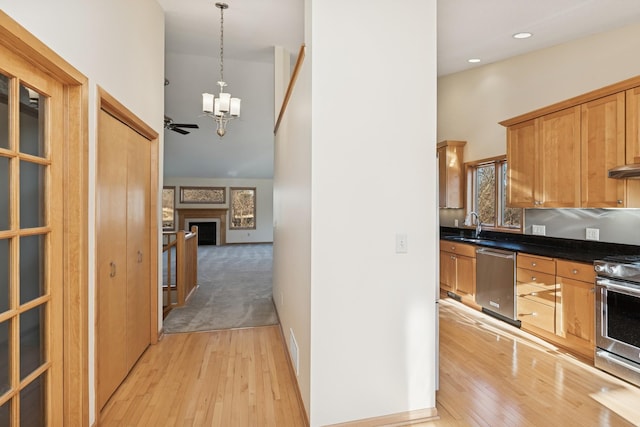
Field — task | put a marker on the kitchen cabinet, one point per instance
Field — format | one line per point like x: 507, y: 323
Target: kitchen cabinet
x: 603, y: 148
x: 451, y: 174
x: 543, y: 159
x: 458, y: 269
x: 559, y: 156
x: 536, y: 292
x: 575, y: 305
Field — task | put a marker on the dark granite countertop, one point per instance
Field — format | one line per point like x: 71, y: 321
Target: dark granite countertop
x: 574, y: 250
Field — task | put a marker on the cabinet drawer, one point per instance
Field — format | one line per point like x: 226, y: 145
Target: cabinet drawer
x: 542, y: 295
x: 458, y: 248
x: 575, y: 270
x: 542, y: 280
x: 539, y: 315
x: 532, y: 262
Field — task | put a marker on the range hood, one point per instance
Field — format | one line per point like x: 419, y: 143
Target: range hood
x: 631, y: 170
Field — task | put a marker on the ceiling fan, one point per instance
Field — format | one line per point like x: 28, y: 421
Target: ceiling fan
x: 176, y: 127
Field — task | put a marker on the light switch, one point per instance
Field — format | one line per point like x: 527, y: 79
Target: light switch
x: 401, y: 243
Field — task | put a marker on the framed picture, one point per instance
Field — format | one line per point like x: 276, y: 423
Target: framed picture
x: 243, y: 208
x: 209, y: 195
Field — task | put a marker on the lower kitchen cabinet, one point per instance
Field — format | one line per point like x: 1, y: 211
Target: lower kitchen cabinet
x: 575, y: 305
x: 536, y: 292
x: 458, y: 269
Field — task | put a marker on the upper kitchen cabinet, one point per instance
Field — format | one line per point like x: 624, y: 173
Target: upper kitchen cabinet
x: 603, y: 148
x: 543, y: 160
x: 451, y: 174
x: 560, y: 156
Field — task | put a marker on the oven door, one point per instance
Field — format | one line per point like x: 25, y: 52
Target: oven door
x: 618, y: 318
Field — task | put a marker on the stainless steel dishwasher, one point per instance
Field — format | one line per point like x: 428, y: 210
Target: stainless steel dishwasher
x: 496, y: 283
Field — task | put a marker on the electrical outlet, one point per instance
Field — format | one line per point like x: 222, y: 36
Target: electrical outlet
x: 455, y: 222
x: 538, y: 230
x: 593, y: 234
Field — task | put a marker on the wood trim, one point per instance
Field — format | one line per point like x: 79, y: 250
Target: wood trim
x: 292, y: 83
x: 395, y: 420
x: 75, y: 393
x: 221, y: 214
x: 577, y: 100
x: 112, y: 106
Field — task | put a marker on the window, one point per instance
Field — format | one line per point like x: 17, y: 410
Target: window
x: 487, y: 195
x: 168, y: 208
x: 243, y: 208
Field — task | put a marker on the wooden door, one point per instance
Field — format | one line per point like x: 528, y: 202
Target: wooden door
x: 574, y: 304
x: 31, y: 245
x: 522, y: 164
x: 447, y: 271
x: 111, y: 238
x: 138, y: 246
x: 603, y: 147
x: 559, y: 159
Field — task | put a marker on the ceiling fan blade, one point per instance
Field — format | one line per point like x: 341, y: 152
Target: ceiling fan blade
x: 186, y: 125
x: 183, y: 132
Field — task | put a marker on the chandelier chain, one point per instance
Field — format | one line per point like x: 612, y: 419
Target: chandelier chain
x: 221, y: 44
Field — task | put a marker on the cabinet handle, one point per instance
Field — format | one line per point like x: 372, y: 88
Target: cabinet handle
x: 139, y: 256
x: 453, y: 257
x: 112, y: 269
x: 453, y: 248
x: 619, y: 202
x: 533, y: 264
x: 529, y: 314
x: 533, y: 278
x: 533, y: 294
x: 574, y: 271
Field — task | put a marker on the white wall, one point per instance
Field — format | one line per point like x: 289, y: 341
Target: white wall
x: 118, y: 45
x: 471, y: 103
x: 373, y: 311
x: 264, y: 205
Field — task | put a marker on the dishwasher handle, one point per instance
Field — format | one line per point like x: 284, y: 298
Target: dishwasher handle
x: 496, y: 253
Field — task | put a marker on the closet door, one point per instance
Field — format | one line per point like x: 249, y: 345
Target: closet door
x: 111, y: 241
x: 138, y: 246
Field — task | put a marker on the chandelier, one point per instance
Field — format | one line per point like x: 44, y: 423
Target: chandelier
x: 223, y: 108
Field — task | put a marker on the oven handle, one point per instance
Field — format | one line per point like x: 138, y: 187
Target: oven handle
x: 610, y: 284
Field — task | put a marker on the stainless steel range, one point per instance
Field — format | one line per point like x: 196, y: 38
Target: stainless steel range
x: 618, y: 316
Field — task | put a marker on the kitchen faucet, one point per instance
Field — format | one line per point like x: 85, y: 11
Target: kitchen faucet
x: 478, y: 223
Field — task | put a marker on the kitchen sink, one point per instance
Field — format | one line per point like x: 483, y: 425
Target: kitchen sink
x: 464, y: 239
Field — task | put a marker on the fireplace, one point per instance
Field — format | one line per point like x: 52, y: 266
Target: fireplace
x: 207, y: 230
x: 193, y: 216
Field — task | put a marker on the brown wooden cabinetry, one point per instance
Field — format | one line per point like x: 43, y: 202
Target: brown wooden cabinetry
x: 603, y: 148
x: 559, y: 156
x: 536, y: 292
x: 458, y: 269
x: 451, y: 174
x: 575, y: 305
x: 543, y: 156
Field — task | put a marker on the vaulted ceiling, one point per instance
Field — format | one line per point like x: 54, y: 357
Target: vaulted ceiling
x: 466, y: 29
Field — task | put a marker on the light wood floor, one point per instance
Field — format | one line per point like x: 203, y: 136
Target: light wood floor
x: 238, y: 377
x: 491, y: 374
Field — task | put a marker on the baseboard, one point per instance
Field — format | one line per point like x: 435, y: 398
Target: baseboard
x: 395, y: 420
x: 291, y: 370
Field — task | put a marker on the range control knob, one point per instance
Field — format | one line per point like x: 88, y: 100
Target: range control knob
x: 599, y: 268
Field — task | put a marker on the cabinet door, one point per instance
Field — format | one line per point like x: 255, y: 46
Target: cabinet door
x: 575, y: 310
x: 603, y: 147
x: 138, y: 249
x: 521, y: 164
x: 559, y: 159
x: 466, y: 276
x: 451, y: 174
x: 633, y: 144
x: 447, y: 271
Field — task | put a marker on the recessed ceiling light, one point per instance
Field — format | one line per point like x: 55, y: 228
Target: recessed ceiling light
x: 523, y: 35
x: 473, y: 60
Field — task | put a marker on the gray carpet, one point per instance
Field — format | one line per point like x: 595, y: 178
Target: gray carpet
x: 234, y: 290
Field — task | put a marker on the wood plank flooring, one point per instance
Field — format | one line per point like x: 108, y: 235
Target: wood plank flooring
x: 238, y: 377
x: 491, y: 374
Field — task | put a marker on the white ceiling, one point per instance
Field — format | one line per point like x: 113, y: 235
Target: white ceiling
x: 466, y: 29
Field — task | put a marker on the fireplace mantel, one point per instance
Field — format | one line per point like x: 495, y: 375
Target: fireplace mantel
x: 191, y: 213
